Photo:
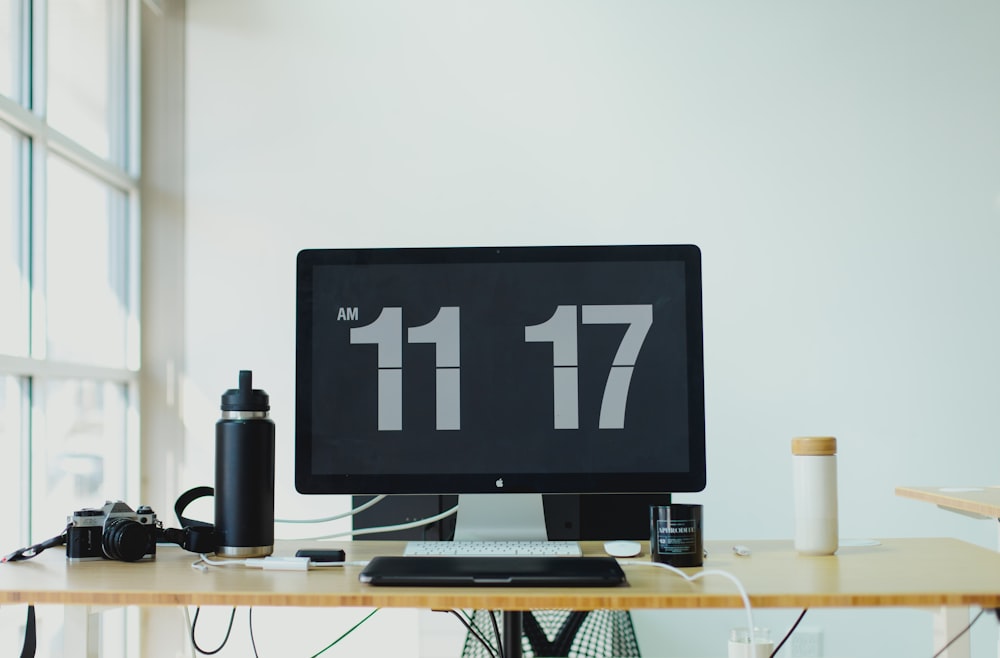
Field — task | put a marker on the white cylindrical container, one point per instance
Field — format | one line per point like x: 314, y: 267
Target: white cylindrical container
x: 743, y: 644
x: 815, y: 475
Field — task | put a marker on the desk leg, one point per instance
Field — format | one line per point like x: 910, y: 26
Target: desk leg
x: 513, y: 626
x: 998, y: 548
x: 949, y: 622
x: 82, y: 632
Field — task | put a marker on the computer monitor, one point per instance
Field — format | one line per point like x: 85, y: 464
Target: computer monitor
x: 505, y: 371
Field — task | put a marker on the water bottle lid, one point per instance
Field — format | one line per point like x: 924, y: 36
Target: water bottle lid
x: 246, y: 397
x: 814, y: 445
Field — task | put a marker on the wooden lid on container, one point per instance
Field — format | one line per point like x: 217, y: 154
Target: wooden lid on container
x: 814, y: 445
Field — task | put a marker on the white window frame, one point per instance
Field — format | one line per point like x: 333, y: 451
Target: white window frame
x: 121, y: 171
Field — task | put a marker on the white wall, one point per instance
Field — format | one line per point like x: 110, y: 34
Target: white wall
x: 838, y: 163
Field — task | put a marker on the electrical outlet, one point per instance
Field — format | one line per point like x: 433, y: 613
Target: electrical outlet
x: 807, y: 643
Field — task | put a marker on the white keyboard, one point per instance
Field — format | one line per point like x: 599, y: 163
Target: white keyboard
x: 494, y: 548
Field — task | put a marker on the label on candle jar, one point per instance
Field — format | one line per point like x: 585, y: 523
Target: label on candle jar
x: 676, y: 536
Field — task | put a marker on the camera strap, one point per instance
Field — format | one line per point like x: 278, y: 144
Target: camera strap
x: 29, y: 552
x: 30, y: 636
x: 196, y: 536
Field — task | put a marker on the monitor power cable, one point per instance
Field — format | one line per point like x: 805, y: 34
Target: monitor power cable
x: 388, y: 528
x: 336, y: 517
x: 477, y: 633
x: 367, y: 531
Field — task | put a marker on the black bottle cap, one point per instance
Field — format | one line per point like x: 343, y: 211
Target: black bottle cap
x: 246, y: 397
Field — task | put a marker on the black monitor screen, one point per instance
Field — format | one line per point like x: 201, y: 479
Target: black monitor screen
x: 517, y: 369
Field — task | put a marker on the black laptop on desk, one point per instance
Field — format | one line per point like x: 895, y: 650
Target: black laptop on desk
x: 502, y: 571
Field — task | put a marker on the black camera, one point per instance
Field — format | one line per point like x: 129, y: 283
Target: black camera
x: 112, y: 532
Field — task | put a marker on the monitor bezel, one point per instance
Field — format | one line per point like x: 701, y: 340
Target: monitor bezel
x: 691, y: 480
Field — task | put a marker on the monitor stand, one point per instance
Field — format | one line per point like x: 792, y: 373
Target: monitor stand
x: 500, y: 517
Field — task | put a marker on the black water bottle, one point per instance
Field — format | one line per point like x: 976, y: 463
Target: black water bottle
x: 244, y: 472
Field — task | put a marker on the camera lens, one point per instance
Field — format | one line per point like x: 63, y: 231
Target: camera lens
x: 125, y: 539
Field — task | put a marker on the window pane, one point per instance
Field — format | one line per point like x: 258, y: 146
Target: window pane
x: 78, y: 461
x: 8, y: 46
x: 10, y: 466
x: 13, y: 274
x: 87, y: 303
x: 80, y: 59
x: 79, y: 449
x: 12, y: 535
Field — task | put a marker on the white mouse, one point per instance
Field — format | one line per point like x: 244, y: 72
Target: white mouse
x: 621, y: 548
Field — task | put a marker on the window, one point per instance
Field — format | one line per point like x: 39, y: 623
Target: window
x: 13, y: 288
x: 8, y: 45
x: 69, y: 189
x: 83, y: 94
x: 86, y: 289
x: 11, y: 433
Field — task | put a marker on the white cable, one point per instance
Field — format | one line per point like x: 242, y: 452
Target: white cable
x: 203, y: 562
x: 272, y: 563
x: 221, y: 563
x: 351, y: 512
x: 387, y: 528
x: 701, y: 574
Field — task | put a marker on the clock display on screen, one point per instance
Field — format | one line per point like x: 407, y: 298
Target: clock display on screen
x: 505, y: 367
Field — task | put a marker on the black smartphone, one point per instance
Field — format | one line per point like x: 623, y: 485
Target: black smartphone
x: 322, y: 554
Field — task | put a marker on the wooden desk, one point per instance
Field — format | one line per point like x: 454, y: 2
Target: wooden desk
x: 976, y: 502
x: 932, y: 572
x: 981, y: 502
